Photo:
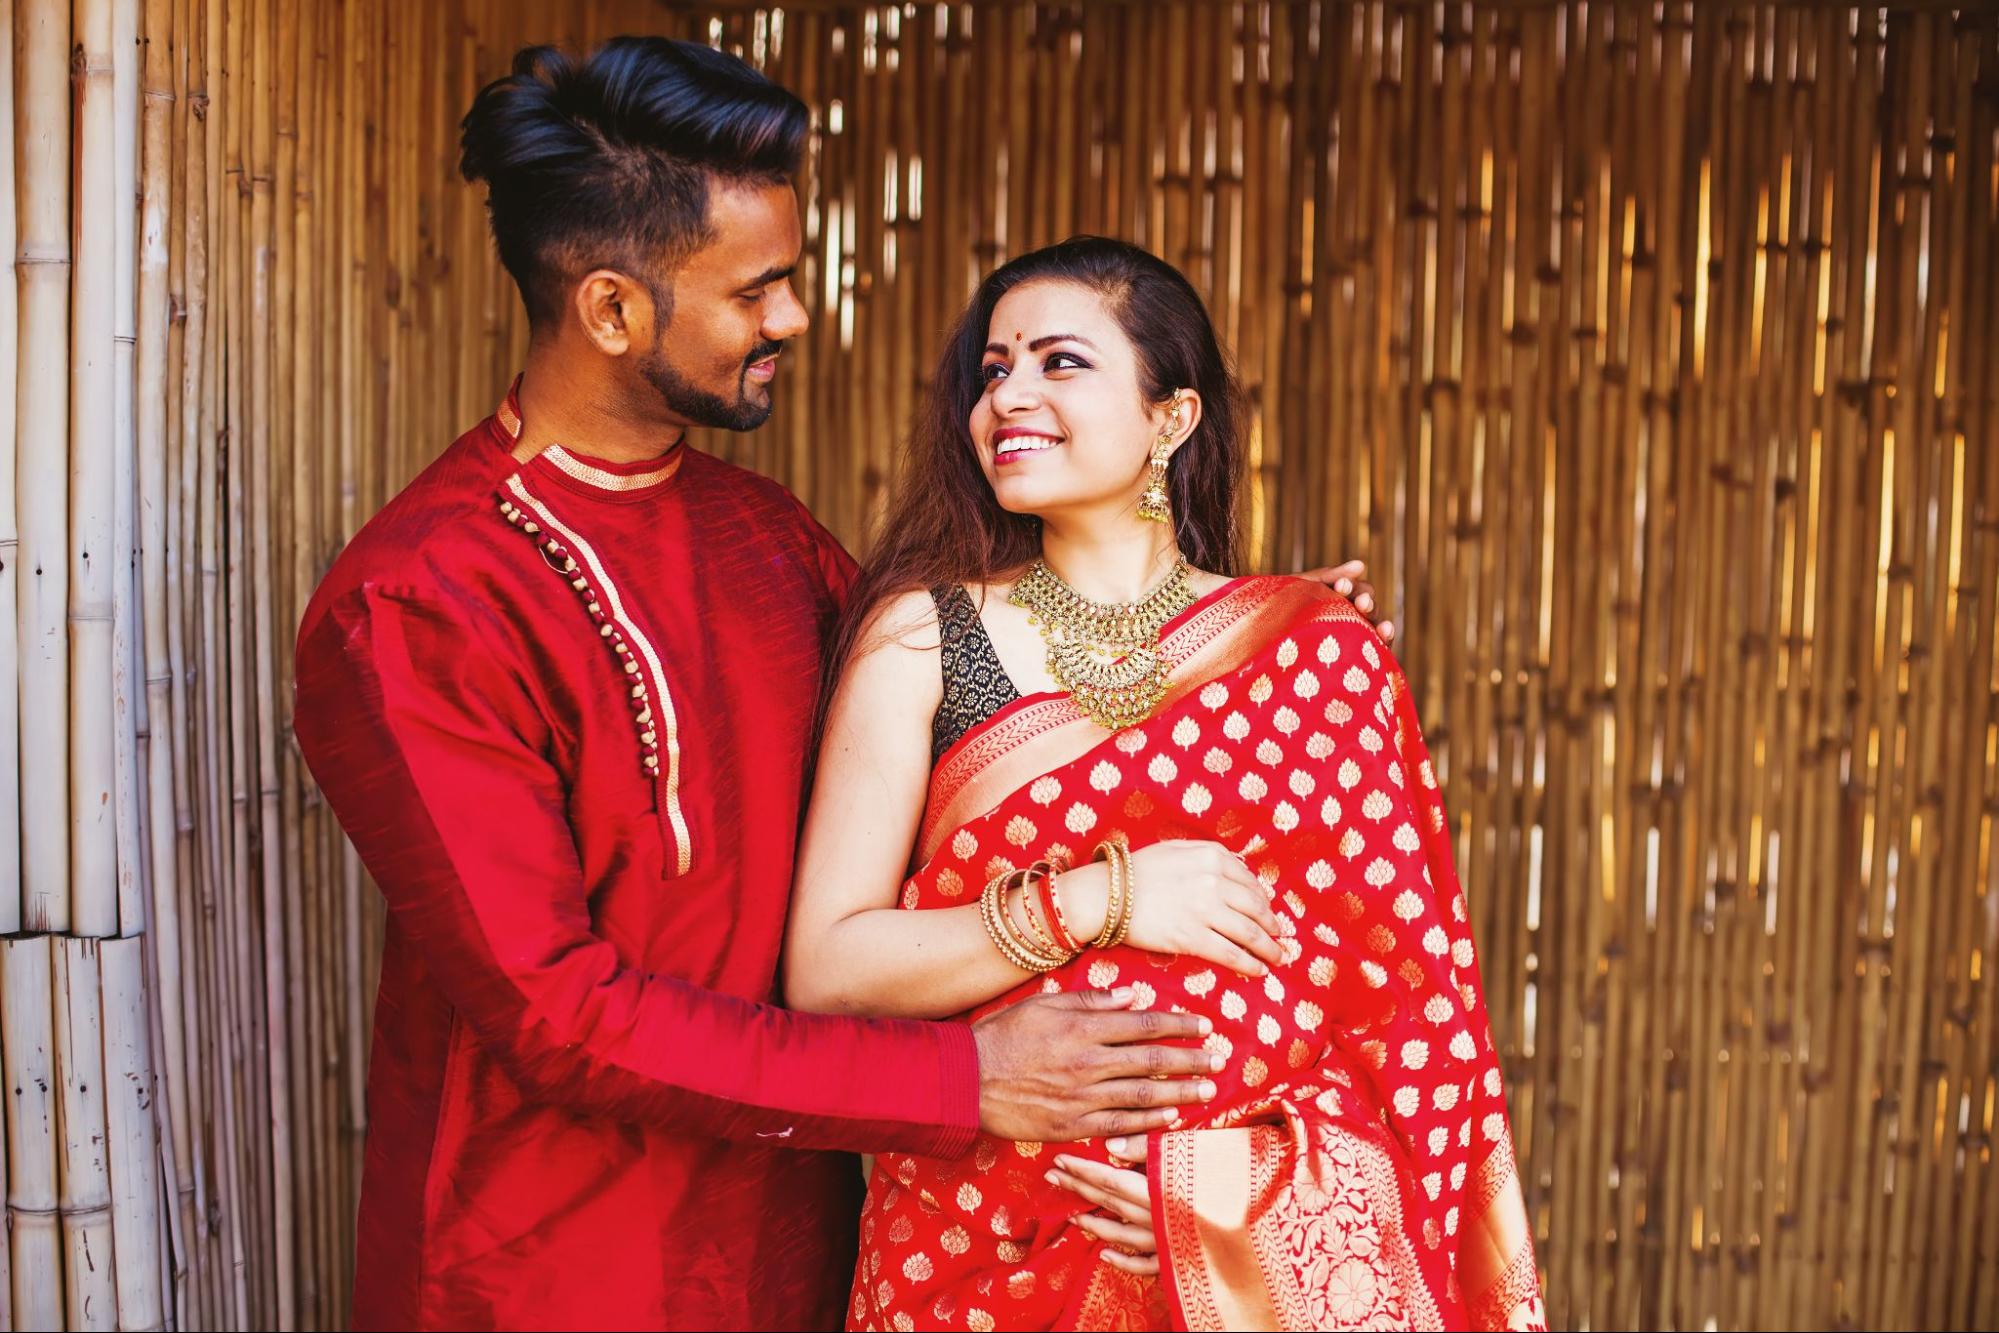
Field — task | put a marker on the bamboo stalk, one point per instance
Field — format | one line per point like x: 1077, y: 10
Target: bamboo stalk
x: 127, y: 698
x: 276, y: 1157
x: 134, y: 1147
x: 160, y: 607
x: 226, y: 964
x: 6, y: 1251
x: 293, y: 313
x: 27, y: 1042
x: 42, y: 267
x: 187, y: 1073
x: 90, y: 1293
x: 10, y: 545
x: 93, y: 486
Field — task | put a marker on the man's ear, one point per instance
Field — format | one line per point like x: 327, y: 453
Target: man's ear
x: 615, y: 312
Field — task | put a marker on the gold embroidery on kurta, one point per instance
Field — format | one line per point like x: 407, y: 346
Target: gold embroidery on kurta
x: 625, y: 630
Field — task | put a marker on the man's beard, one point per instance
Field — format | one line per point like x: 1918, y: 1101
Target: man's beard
x: 702, y: 407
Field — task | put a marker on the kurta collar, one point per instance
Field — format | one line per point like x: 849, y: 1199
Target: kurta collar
x: 597, y: 474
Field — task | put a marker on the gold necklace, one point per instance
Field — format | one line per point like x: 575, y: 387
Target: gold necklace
x: 1106, y: 655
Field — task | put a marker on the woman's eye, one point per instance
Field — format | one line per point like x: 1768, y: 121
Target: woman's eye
x: 991, y: 371
x: 1066, y: 361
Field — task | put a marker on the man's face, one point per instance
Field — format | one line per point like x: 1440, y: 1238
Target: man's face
x: 733, y: 309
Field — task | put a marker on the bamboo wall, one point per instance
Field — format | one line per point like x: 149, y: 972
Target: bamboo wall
x: 1647, y: 351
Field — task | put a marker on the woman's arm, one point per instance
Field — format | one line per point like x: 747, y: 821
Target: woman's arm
x: 849, y: 947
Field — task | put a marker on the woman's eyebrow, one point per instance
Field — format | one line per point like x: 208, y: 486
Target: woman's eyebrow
x: 1047, y: 340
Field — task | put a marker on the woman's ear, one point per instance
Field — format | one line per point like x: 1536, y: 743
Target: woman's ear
x: 1179, y: 418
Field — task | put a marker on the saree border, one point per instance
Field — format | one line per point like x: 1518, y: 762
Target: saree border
x: 1224, y: 1243
x: 1046, y: 732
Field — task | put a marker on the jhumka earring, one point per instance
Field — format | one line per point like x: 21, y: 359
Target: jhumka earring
x: 1153, y: 504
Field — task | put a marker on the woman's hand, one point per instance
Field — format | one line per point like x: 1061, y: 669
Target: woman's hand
x: 1198, y: 898
x: 1125, y: 1221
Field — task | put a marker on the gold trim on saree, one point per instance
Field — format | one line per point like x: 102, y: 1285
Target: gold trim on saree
x: 1242, y: 1203
x: 1211, y: 1180
x: 1043, y: 733
x: 1497, y: 1273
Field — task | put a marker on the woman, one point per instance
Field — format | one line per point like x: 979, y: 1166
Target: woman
x: 1118, y: 765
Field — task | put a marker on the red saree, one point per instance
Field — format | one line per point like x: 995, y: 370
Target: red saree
x: 1355, y: 1169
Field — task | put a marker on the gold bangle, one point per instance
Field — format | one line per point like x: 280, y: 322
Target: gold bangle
x: 1005, y: 934
x: 1123, y: 854
x: 1111, y: 895
x: 1117, y: 907
x: 989, y: 907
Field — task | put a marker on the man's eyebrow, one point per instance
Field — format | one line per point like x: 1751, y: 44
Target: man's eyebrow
x: 770, y: 275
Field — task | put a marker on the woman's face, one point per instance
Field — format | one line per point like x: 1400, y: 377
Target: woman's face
x: 1063, y: 427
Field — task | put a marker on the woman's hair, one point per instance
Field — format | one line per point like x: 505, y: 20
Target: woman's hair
x: 607, y: 161
x: 943, y: 525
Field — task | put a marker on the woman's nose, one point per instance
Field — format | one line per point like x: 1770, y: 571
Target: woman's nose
x: 1014, y: 394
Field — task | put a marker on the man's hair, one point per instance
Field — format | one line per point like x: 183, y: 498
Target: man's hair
x: 607, y: 162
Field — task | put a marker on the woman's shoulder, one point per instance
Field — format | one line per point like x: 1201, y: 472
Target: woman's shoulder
x: 1311, y: 614
x: 1296, y: 584
x: 1307, y: 599
x: 892, y: 668
x: 905, y: 621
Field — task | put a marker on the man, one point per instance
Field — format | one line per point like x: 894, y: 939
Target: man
x: 559, y: 693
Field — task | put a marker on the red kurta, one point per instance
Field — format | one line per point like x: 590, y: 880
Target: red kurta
x: 562, y: 708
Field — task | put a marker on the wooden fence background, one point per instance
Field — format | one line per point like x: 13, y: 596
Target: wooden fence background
x: 1646, y: 350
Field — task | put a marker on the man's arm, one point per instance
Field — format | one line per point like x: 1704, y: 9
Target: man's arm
x: 430, y: 750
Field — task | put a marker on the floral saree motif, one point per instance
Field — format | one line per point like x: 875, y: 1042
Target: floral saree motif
x: 1355, y: 1169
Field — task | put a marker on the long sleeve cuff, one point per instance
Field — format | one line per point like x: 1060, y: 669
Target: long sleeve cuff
x: 958, y: 1067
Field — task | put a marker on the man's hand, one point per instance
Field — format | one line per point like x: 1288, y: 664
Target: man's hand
x: 1350, y: 581
x: 1058, y: 1068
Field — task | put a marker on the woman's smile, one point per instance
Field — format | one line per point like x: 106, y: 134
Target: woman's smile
x: 1011, y: 444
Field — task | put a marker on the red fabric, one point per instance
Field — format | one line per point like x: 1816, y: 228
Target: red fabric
x: 1307, y: 759
x: 582, y: 1111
